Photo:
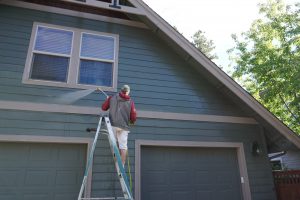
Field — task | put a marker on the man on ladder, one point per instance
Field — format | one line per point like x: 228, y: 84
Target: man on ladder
x: 122, y: 113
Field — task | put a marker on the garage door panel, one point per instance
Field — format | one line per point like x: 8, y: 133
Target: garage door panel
x: 156, y: 177
x: 67, y: 177
x: 65, y: 196
x: 180, y: 177
x: 206, y: 194
x: 203, y: 177
x: 70, y: 154
x: 154, y: 195
x: 227, y: 194
x: 41, y: 171
x: 182, y: 194
x: 9, y: 153
x: 40, y: 153
x: 199, y: 173
x: 8, y: 177
x: 37, y: 178
x: 8, y: 196
x: 35, y: 196
x: 225, y: 178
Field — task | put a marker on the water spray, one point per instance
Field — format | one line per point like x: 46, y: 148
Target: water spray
x: 99, y: 89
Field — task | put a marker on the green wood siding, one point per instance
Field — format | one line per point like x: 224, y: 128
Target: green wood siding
x: 145, y: 63
x: 160, y: 81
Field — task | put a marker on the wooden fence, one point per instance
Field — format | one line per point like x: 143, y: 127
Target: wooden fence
x: 287, y: 184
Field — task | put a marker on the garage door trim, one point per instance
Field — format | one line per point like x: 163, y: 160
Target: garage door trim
x: 53, y: 139
x: 238, y: 146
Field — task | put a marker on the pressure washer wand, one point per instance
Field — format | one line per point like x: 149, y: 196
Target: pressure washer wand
x: 99, y: 89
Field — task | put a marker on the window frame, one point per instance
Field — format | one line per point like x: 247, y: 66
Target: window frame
x: 277, y: 160
x: 74, y: 62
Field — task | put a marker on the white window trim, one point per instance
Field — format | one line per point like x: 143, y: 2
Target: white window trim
x: 73, y: 68
x: 281, y: 162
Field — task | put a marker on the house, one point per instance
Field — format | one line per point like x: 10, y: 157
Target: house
x: 286, y: 160
x: 199, y: 135
x: 291, y: 160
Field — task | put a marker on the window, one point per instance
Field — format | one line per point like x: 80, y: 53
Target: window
x: 51, y: 54
x: 276, y: 164
x: 69, y: 57
x: 96, y: 60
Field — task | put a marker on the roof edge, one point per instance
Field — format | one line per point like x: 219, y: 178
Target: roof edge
x: 217, y: 72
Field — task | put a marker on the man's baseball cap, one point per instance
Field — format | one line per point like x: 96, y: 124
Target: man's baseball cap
x: 125, y: 88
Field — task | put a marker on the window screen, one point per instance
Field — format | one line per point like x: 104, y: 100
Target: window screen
x: 53, y: 41
x: 50, y: 68
x: 51, y: 54
x: 97, y: 46
x: 97, y: 58
x: 95, y: 73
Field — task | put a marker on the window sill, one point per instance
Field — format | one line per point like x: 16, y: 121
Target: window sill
x: 67, y: 85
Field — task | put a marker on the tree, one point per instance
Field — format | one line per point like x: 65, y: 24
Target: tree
x: 267, y: 60
x: 205, y: 45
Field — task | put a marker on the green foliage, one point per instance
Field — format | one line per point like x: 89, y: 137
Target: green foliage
x: 205, y: 45
x: 267, y: 60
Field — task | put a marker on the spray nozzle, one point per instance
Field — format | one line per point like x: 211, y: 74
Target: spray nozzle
x: 99, y: 90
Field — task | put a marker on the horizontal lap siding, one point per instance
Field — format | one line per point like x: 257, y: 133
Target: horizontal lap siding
x: 259, y: 171
x: 260, y: 177
x: 45, y: 124
x: 160, y: 80
x: 105, y: 182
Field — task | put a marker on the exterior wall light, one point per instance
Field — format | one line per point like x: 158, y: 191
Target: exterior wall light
x: 256, y: 149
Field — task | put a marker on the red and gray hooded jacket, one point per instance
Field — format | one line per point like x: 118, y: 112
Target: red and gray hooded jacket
x: 121, y: 110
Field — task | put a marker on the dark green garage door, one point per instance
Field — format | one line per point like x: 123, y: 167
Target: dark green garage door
x: 31, y: 171
x: 169, y: 173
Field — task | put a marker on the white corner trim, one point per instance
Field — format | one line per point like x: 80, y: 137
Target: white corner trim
x: 73, y: 13
x: 213, y: 69
x: 59, y: 108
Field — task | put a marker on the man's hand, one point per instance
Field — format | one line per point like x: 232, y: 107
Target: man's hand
x: 99, y: 90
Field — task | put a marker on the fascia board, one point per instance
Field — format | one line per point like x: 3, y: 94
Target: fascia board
x: 107, y: 6
x: 213, y: 69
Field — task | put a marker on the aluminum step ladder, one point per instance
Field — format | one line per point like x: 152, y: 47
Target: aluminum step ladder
x: 117, y: 160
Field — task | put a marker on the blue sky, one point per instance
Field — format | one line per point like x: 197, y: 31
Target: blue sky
x: 217, y: 18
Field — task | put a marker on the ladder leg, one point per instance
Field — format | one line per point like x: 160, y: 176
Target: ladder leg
x: 118, y: 161
x: 89, y: 161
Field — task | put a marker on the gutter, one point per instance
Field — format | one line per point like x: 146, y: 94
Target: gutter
x: 279, y: 154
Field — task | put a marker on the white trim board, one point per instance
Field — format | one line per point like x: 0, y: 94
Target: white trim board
x: 238, y: 146
x: 73, y: 13
x: 70, y: 109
